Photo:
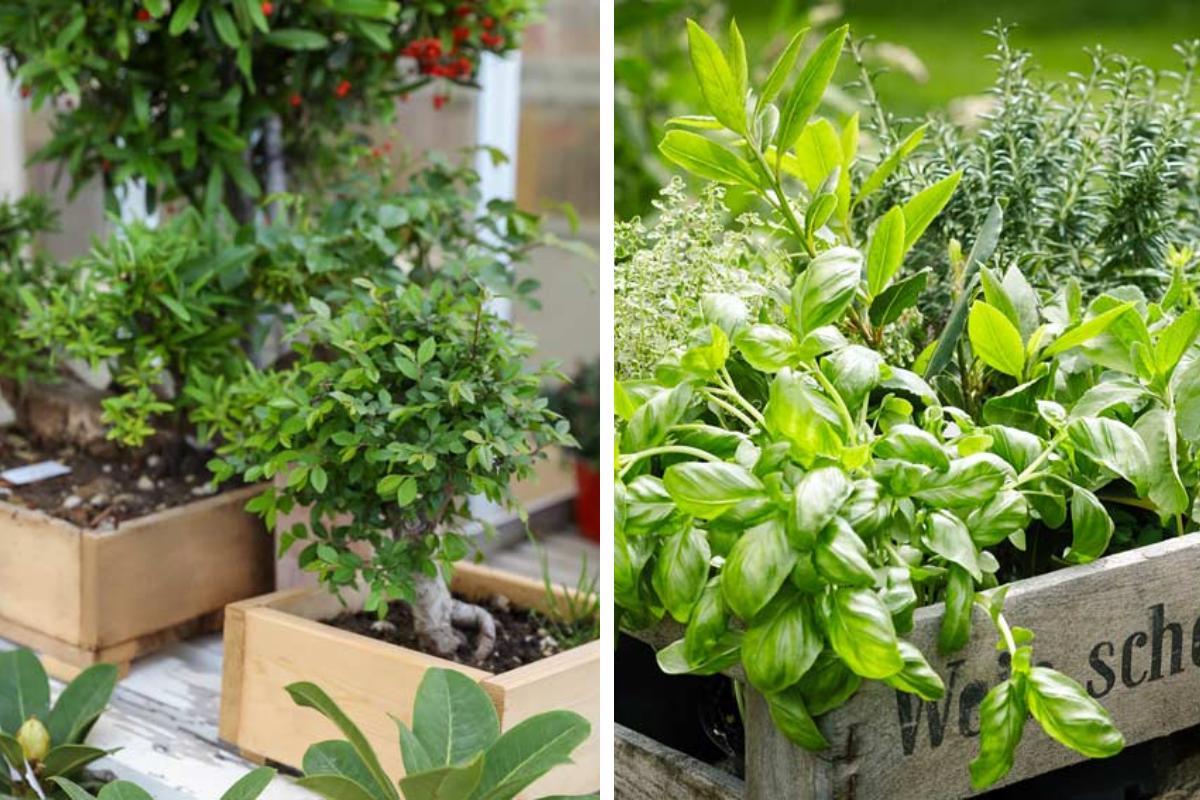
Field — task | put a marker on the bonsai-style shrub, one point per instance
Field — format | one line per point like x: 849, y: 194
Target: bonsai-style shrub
x: 248, y: 787
x: 42, y: 743
x: 207, y: 100
x: 578, y: 402
x: 21, y: 266
x: 454, y: 749
x: 791, y: 491
x: 155, y: 307
x: 401, y: 404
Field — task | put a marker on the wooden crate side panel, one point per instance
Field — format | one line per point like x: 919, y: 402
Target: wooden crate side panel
x: 172, y: 567
x: 569, y: 681
x: 1126, y: 627
x: 368, y: 679
x: 649, y: 770
x: 40, y: 574
x: 479, y: 582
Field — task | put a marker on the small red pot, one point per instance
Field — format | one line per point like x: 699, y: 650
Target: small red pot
x: 587, y: 499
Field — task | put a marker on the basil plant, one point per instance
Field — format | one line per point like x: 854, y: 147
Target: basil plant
x: 791, y: 497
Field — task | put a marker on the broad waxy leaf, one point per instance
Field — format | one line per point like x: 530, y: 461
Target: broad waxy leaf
x: 1002, y: 716
x: 910, y: 443
x: 653, y: 420
x: 793, y: 719
x: 250, y: 785
x: 841, y: 557
x: 996, y: 340
x: 338, y: 757
x: 453, y: 718
x: 767, y: 348
x: 860, y: 631
x: 24, y: 689
x: 1157, y: 428
x: 1086, y: 330
x: 707, y: 489
x: 917, y: 677
x: 528, y: 751
x: 1070, y: 716
x: 800, y: 414
x: 828, y: 683
x: 1091, y: 527
x: 681, y: 571
x: 776, y: 80
x: 1003, y: 515
x: 818, y: 153
x: 969, y: 481
x: 886, y: 167
x: 719, y: 85
x: 921, y: 210
x: 456, y: 782
x: 956, y: 621
x: 893, y: 301
x: 854, y: 372
x: 947, y: 535
x: 707, y: 159
x: 80, y: 703
x: 708, y: 624
x: 1115, y: 446
x: 816, y: 499
x: 825, y: 289
x: 781, y: 644
x: 756, y: 567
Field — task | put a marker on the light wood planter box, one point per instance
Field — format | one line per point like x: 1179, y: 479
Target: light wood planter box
x: 81, y: 597
x: 1127, y: 627
x: 278, y: 639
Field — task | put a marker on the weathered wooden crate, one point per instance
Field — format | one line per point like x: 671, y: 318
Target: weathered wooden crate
x: 84, y: 596
x: 1127, y: 627
x: 278, y: 639
x: 649, y: 770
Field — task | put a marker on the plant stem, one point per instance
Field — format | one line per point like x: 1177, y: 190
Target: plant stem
x: 629, y: 459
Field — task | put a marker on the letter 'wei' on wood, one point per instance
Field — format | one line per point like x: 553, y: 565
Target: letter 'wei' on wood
x: 1127, y: 627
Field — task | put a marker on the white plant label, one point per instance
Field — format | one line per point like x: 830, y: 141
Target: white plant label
x: 32, y: 473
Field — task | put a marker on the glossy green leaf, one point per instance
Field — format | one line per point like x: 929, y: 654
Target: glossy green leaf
x: 970, y: 481
x: 1157, y: 429
x: 1086, y: 330
x: 456, y: 782
x: 917, y: 677
x: 250, y: 785
x: 818, y: 496
x: 922, y: 209
x: 452, y: 717
x: 955, y: 630
x: 781, y: 643
x: 767, y: 348
x: 528, y: 751
x: 335, y: 787
x: 860, y: 631
x: 707, y: 489
x: 947, y: 536
x: 338, y: 757
x: 718, y: 83
x: 996, y: 340
x: 653, y: 419
x: 1091, y: 527
x: 886, y: 251
x: 1003, y: 515
x: 793, y: 719
x: 889, y: 164
x: 910, y: 443
x: 779, y: 74
x: 24, y: 689
x: 1114, y: 445
x: 818, y: 153
x: 825, y: 289
x: 708, y: 624
x: 828, y: 683
x: 68, y: 759
x: 1070, y: 716
x: 80, y: 703
x: 756, y: 567
x: 893, y: 301
x: 1002, y: 716
x: 707, y: 159
x: 797, y: 412
x: 681, y: 570
x: 854, y: 371
x: 297, y: 39
x: 841, y: 556
x: 809, y: 88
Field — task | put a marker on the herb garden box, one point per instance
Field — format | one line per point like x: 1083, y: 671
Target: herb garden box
x: 82, y: 596
x: 1127, y: 627
x: 279, y: 639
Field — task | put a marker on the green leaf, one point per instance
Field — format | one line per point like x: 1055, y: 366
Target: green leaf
x: 860, y: 630
x: 183, y: 17
x: 1115, y: 446
x: 767, y: 348
x: 818, y: 154
x: 794, y: 721
x: 67, y: 759
x: 886, y: 252
x: 854, y: 371
x: 897, y: 298
x: 816, y: 500
x: 737, y: 60
x: 1002, y: 716
x: 981, y: 252
x: 24, y: 689
x: 910, y: 443
x: 81, y: 702
x: 921, y: 210
x: 718, y: 83
x: 781, y: 644
x: 12, y: 752
x: 1003, y: 515
x: 947, y: 536
x: 681, y: 570
x: 708, y: 624
x: 1174, y: 340
x: 1157, y: 428
x: 453, y: 718
x: 308, y: 695
x: 653, y: 420
x: 708, y: 489
x: 1070, y: 716
x: 338, y: 757
x: 756, y: 567
x: 955, y: 631
x: 970, y: 481
x: 297, y: 39
x: 823, y: 292
x: 707, y: 159
x: 250, y: 785
x: 810, y: 87
x: 123, y: 790
x: 1086, y: 330
x: 803, y: 416
x: 335, y: 787
x: 225, y: 26
x: 917, y: 677
x: 73, y: 790
x: 886, y: 167
x: 528, y: 751
x: 828, y: 683
x: 1091, y: 527
x: 445, y: 783
x: 841, y: 556
x: 996, y: 340
x: 775, y: 81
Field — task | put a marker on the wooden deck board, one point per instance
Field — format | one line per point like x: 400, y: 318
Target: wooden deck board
x: 163, y: 716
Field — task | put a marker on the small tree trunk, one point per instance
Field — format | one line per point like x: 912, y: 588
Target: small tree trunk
x: 437, y: 617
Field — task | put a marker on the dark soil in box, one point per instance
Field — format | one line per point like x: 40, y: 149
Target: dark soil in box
x: 522, y: 636
x: 102, y: 492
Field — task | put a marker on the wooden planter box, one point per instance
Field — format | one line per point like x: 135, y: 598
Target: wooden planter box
x: 84, y: 596
x: 1127, y: 627
x: 278, y: 639
x: 647, y: 769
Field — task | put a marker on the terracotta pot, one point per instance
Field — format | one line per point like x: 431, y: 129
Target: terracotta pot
x: 587, y: 499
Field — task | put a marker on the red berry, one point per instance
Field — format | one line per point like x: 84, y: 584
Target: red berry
x: 440, y: 100
x: 342, y: 89
x: 492, y: 40
x: 488, y: 23
x: 25, y: 90
x: 268, y: 9
x: 461, y: 34
x: 464, y: 10
x: 143, y: 15
x: 105, y: 165
x: 295, y: 100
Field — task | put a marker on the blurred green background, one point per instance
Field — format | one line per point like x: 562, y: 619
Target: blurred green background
x: 945, y: 36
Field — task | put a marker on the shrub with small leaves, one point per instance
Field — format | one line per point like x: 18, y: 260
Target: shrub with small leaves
x: 21, y: 267
x: 203, y: 96
x: 403, y: 402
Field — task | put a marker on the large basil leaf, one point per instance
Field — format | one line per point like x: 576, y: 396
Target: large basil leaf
x: 1070, y: 716
x: 767, y: 348
x: 1115, y: 446
x: 970, y: 481
x: 672, y: 659
x: 647, y: 503
x: 1158, y: 431
x: 1109, y: 394
x: 756, y: 567
x: 708, y: 624
x: 910, y: 443
x: 707, y: 489
x: 825, y: 289
x: 947, y: 536
x: 860, y: 631
x: 781, y: 643
x: 828, y: 683
x: 793, y: 719
x: 1002, y: 716
x: 681, y: 571
x: 917, y: 677
x: 1003, y: 515
x: 799, y: 413
x: 1091, y: 527
x: 854, y: 371
x: 816, y: 499
x: 841, y: 557
x: 653, y: 419
x: 955, y: 631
